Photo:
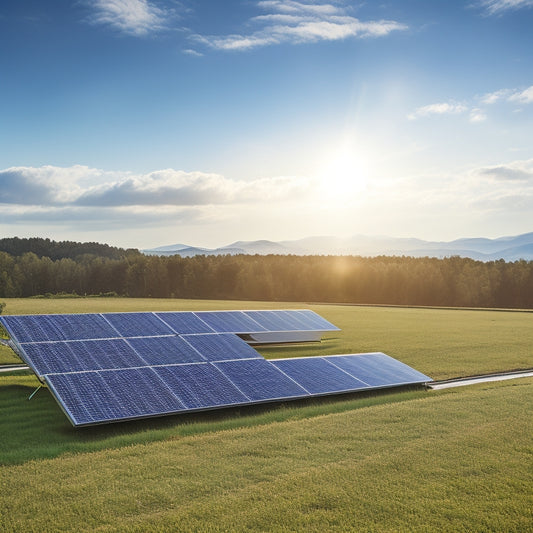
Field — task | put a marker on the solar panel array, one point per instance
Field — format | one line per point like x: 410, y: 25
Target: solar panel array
x: 120, y: 366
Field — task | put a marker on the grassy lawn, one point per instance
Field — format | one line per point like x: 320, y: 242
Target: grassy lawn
x: 409, y: 460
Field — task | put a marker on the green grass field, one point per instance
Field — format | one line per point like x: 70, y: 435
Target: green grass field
x: 410, y: 460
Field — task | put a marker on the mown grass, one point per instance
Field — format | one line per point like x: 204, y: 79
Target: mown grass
x: 408, y: 460
x: 453, y: 460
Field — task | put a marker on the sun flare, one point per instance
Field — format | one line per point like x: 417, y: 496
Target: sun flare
x: 343, y: 174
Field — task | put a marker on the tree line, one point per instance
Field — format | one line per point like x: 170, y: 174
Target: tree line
x: 454, y: 281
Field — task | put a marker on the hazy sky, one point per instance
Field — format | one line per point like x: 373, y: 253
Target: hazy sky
x: 144, y: 122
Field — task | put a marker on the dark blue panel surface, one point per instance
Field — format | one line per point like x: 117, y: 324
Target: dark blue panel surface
x: 165, y: 350
x: 318, y: 376
x: 377, y: 369
x: 36, y: 328
x: 315, y: 321
x: 76, y: 356
x: 268, y: 320
x: 200, y: 385
x: 137, y: 324
x: 260, y: 380
x: 184, y: 322
x: 221, y: 347
x: 229, y: 321
x: 93, y: 397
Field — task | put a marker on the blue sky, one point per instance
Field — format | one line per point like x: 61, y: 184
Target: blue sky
x: 142, y: 123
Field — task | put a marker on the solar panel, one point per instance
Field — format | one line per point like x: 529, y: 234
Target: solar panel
x: 184, y: 322
x: 377, y: 369
x: 260, y: 380
x: 111, y: 395
x: 164, y: 350
x: 138, y: 324
x: 120, y: 366
x: 201, y: 386
x: 229, y: 321
x: 76, y: 356
x: 318, y: 375
x: 221, y: 347
x: 38, y: 328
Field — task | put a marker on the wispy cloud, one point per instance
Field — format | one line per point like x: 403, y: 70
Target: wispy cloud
x: 288, y: 21
x: 442, y: 108
x: 132, y: 17
x: 476, y: 107
x: 495, y: 7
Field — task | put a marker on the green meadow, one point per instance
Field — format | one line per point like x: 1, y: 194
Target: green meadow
x: 405, y: 460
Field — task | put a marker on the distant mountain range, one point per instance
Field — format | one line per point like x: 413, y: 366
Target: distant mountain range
x: 508, y: 248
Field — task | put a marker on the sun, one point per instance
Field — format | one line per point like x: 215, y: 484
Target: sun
x: 343, y: 174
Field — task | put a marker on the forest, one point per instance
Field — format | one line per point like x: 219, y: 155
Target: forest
x: 44, y: 268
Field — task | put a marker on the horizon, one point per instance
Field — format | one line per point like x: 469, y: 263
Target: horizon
x: 145, y: 122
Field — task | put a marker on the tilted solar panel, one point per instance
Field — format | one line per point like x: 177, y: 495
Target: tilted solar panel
x: 318, y: 375
x: 38, y: 328
x: 184, y: 322
x: 165, y: 350
x: 229, y: 321
x: 201, y: 386
x: 377, y: 369
x: 111, y: 395
x: 120, y: 366
x: 221, y: 346
x: 260, y: 380
x: 77, y: 356
x: 138, y: 324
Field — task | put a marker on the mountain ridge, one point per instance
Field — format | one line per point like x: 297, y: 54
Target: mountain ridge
x: 509, y: 248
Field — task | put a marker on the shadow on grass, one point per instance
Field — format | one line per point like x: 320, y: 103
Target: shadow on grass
x: 37, y: 429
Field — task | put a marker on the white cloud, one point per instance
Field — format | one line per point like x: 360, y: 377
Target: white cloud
x: 496, y: 96
x: 300, y: 22
x: 443, y: 108
x: 477, y: 115
x: 62, y: 187
x: 517, y: 171
x: 523, y: 97
x: 133, y: 17
x: 494, y: 7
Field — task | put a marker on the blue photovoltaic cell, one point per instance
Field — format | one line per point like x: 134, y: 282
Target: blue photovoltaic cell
x: 105, y: 396
x: 184, y: 322
x: 137, y: 324
x: 229, y: 321
x: 165, y: 350
x: 315, y: 321
x: 377, y: 369
x: 318, y: 376
x: 269, y: 320
x: 221, y: 347
x: 200, y: 385
x: 76, y: 356
x: 37, y: 328
x: 260, y: 380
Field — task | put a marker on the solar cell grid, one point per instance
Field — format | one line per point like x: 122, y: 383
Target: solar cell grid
x: 77, y: 356
x: 221, y: 347
x: 164, y: 350
x: 260, y: 380
x: 229, y: 321
x: 104, y: 396
x: 184, y: 322
x: 200, y: 385
x: 377, y: 369
x: 137, y: 324
x: 318, y: 376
